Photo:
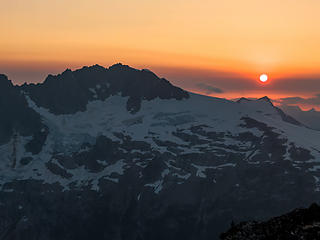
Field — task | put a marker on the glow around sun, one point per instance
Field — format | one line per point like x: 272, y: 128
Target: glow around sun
x: 263, y: 77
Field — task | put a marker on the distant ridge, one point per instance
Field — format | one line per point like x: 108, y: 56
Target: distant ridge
x: 285, y: 117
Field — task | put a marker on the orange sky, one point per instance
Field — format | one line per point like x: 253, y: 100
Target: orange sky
x: 225, y: 38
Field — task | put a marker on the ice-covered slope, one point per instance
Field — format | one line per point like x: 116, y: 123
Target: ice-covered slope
x: 180, y: 166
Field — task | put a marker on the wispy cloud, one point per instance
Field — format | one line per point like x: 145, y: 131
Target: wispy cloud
x: 314, y: 100
x: 208, y: 89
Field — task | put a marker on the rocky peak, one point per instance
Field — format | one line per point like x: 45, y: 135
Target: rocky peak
x: 265, y: 105
x: 243, y: 99
x: 4, y: 82
x: 70, y: 91
x: 265, y: 99
x: 121, y: 67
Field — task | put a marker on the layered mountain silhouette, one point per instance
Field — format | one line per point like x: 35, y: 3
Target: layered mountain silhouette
x: 119, y: 153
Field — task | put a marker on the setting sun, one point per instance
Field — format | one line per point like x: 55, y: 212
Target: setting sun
x: 263, y: 77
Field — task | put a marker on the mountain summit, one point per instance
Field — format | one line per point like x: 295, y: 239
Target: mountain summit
x: 71, y: 91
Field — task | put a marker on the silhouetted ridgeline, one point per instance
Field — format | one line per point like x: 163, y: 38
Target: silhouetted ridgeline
x: 71, y: 91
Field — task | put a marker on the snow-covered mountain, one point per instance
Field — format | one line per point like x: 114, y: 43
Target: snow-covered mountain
x: 118, y: 153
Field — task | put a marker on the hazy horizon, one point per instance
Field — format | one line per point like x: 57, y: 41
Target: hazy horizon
x: 211, y: 47
x: 210, y: 83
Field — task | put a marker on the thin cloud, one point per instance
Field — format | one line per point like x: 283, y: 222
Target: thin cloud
x: 315, y: 100
x: 208, y: 89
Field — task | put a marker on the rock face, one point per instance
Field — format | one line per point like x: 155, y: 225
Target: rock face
x: 119, y: 153
x: 300, y: 224
x: 17, y: 118
x: 71, y: 91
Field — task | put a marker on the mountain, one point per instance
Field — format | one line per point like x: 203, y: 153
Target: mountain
x: 300, y: 224
x: 70, y: 91
x: 266, y: 102
x: 119, y: 153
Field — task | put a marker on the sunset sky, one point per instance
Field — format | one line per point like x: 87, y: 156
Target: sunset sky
x: 212, y: 47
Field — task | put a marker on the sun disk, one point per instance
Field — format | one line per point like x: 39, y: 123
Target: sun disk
x: 263, y: 77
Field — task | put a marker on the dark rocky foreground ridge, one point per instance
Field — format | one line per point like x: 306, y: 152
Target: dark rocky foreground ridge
x: 119, y: 153
x: 300, y: 224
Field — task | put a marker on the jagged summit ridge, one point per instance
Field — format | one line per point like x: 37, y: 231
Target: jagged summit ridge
x: 70, y: 91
